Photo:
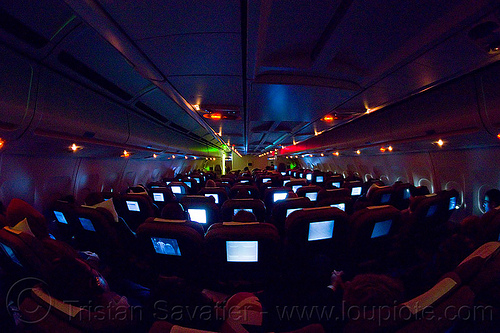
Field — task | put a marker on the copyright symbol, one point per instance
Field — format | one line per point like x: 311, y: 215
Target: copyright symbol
x: 20, y: 290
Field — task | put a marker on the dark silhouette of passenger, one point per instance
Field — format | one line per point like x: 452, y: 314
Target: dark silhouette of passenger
x: 491, y: 199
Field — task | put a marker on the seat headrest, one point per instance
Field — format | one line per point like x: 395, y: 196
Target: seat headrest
x: 19, y: 210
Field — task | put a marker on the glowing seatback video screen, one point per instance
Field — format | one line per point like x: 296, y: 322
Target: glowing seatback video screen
x: 385, y: 198
x: 133, y: 206
x: 319, y: 179
x: 166, y: 246
x: 8, y: 250
x: 336, y: 184
x: 214, y: 195
x: 242, y: 251
x: 291, y: 210
x: 283, y: 173
x: 320, y: 230
x: 453, y: 203
x: 296, y: 187
x: 279, y: 196
x: 286, y: 181
x: 406, y: 194
x: 381, y: 229
x: 176, y: 189
x: 188, y: 184
x: 312, y: 196
x: 309, y: 176
x: 198, y: 215
x: 356, y: 190
x: 60, y: 217
x: 432, y: 210
x: 86, y: 224
x: 266, y: 180
x: 236, y: 210
x: 244, y: 181
x: 340, y: 206
x: 158, y: 197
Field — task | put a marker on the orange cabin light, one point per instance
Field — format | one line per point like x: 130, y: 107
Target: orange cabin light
x: 382, y: 149
x: 498, y: 135
x: 336, y: 153
x: 125, y: 154
x: 358, y: 151
x: 215, y: 116
x: 328, y: 118
x: 389, y: 148
x: 2, y: 142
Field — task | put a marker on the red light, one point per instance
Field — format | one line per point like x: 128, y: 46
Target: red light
x: 215, y: 116
x: 328, y: 118
x: 498, y: 136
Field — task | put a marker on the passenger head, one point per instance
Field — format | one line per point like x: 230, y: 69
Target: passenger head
x: 372, y: 290
x: 418, y: 191
x: 173, y: 211
x: 244, y: 216
x: 491, y: 199
x: 210, y: 183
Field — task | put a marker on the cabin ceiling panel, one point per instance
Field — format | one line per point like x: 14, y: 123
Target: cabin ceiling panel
x: 275, y: 102
x: 211, y: 90
x: 159, y: 18
x: 196, y: 54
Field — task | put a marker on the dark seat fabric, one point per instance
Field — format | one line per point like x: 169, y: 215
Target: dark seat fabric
x: 230, y: 272
x: 282, y: 208
x: 135, y: 208
x: 466, y: 297
x: 221, y: 193
x: 315, y: 242
x: 372, y: 235
x: 244, y: 191
x: 205, y: 206
x: 171, y: 247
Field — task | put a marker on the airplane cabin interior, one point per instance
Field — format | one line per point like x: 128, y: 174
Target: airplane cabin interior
x: 249, y: 166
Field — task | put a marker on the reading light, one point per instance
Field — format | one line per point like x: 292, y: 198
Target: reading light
x: 194, y: 157
x: 358, y: 151
x: 498, y: 136
x: 322, y: 154
x: 328, y: 118
x: 173, y: 156
x: 155, y: 156
x: 440, y: 143
x: 382, y: 149
x: 125, y: 154
x: 185, y: 157
x: 2, y: 142
x: 336, y: 153
x: 196, y: 107
x: 215, y: 116
x: 389, y: 148
x: 73, y: 147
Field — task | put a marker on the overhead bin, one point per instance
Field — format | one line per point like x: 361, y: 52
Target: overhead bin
x: 65, y: 106
x: 16, y: 104
x: 489, y: 97
x: 146, y: 133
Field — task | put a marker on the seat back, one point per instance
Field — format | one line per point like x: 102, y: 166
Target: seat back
x: 380, y: 195
x: 243, y: 191
x: 242, y: 255
x: 316, y: 235
x: 310, y: 191
x: 179, y: 189
x: 273, y: 195
x: 161, y: 196
x: 283, y: 208
x: 135, y: 208
x: 219, y: 194
x: 232, y: 206
x: 334, y: 181
x: 201, y: 209
x: 355, y: 188
x: 401, y: 195
x: 372, y: 232
x: 171, y: 247
x: 295, y: 184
